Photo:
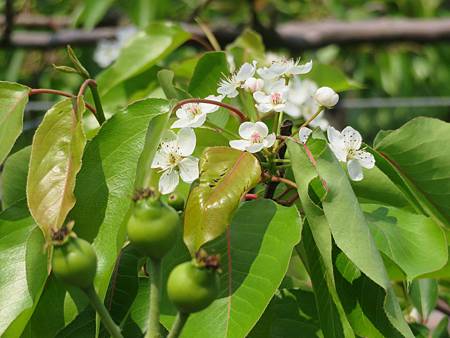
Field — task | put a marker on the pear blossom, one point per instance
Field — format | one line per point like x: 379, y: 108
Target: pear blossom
x: 253, y: 84
x: 193, y: 115
x: 304, y: 134
x: 284, y: 67
x: 326, y: 97
x: 228, y: 86
x: 107, y: 51
x: 273, y: 98
x: 346, y: 147
x: 174, y: 160
x: 255, y: 137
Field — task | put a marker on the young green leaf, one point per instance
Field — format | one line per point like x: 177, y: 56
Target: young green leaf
x: 225, y: 176
x: 424, y: 296
x: 147, y: 48
x: 56, y: 153
x: 13, y: 99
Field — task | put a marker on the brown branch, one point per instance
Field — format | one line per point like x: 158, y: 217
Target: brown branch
x: 60, y: 93
x: 235, y: 111
x: 39, y: 21
x: 295, y: 36
x: 280, y: 180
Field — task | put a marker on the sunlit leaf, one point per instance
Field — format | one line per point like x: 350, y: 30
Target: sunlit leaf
x: 225, y: 176
x: 56, y: 154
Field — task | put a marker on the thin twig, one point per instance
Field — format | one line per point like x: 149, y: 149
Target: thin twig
x: 280, y: 179
x: 60, y: 93
x: 84, y: 86
x: 235, y: 111
x: 289, y: 201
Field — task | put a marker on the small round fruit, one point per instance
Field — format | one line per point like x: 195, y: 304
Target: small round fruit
x: 192, y: 288
x: 153, y: 228
x: 75, y: 262
x: 176, y: 202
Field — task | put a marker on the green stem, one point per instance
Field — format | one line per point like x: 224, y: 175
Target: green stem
x: 153, y: 313
x: 100, y: 115
x: 178, y: 325
x: 308, y: 121
x: 212, y: 126
x: 105, y: 317
x: 281, y: 160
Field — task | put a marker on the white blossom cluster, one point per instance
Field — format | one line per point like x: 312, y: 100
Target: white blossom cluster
x: 274, y: 88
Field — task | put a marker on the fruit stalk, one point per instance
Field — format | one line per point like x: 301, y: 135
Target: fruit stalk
x: 153, y: 314
x: 178, y: 325
x: 105, y: 317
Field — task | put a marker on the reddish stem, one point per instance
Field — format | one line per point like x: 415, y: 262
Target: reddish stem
x: 86, y: 84
x: 236, y: 112
x: 280, y: 179
x: 249, y: 197
x: 60, y: 93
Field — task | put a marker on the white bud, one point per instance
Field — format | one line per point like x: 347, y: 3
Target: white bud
x: 252, y: 84
x: 326, y: 97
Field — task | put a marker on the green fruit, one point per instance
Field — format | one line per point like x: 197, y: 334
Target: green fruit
x: 75, y: 262
x: 192, y: 288
x: 153, y: 228
x: 176, y: 202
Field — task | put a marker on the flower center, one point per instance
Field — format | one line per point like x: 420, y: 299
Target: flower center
x: 194, y: 110
x: 174, y: 159
x: 351, y: 153
x: 276, y: 98
x: 255, y: 138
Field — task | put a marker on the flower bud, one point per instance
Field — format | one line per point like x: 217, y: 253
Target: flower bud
x: 252, y: 84
x: 326, y: 97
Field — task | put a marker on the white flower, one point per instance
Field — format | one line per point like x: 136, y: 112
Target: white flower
x: 228, y: 86
x: 255, y: 137
x: 174, y: 160
x: 284, y: 67
x: 345, y: 147
x: 253, y: 84
x: 193, y: 115
x: 107, y: 51
x: 304, y: 134
x: 275, y: 100
x: 300, y: 102
x: 326, y: 97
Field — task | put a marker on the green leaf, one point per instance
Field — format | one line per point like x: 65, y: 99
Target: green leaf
x: 326, y: 75
x: 345, y: 218
x: 424, y: 296
x: 316, y: 249
x: 211, y: 67
x: 93, y: 11
x: 414, y: 242
x: 225, y: 176
x: 247, y: 47
x: 165, y: 78
x: 14, y: 177
x: 415, y: 153
x: 13, y: 99
x: 441, y: 330
x: 260, y: 241
x: 106, y: 181
x: 146, y: 49
x: 23, y: 270
x: 55, y: 160
x: 290, y: 314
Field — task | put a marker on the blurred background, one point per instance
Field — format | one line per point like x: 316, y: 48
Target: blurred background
x: 395, y: 53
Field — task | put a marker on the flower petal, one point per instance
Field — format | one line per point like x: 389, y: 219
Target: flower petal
x: 247, y: 70
x: 181, y: 123
x: 365, y: 158
x: 255, y: 147
x: 209, y: 108
x: 355, y: 170
x: 292, y: 110
x: 168, y: 181
x: 261, y: 97
x: 160, y: 160
x: 239, y: 144
x: 189, y: 169
x: 186, y: 141
x: 269, y: 140
x: 264, y: 107
x: 352, y: 138
x: 301, y: 69
x: 261, y: 129
x: 303, y: 134
x: 246, y: 129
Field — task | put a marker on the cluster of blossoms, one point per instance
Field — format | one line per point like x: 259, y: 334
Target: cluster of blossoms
x: 274, y: 88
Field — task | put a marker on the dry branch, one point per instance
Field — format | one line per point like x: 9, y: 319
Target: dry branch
x: 292, y: 35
